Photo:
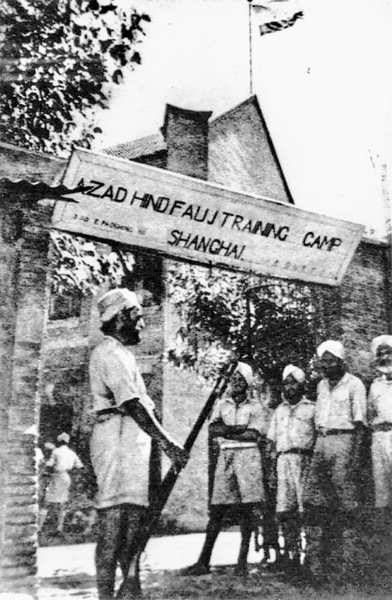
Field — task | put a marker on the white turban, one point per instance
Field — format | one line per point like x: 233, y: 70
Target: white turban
x: 246, y: 372
x: 381, y: 340
x: 114, y: 301
x: 296, y: 372
x: 63, y: 437
x: 335, y: 348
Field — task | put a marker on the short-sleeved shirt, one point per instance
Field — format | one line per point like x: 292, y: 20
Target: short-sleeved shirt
x: 248, y: 413
x: 342, y: 406
x: 292, y: 426
x: 64, y: 459
x: 380, y: 401
x: 238, y: 474
x: 120, y: 449
x: 380, y: 411
x: 115, y: 377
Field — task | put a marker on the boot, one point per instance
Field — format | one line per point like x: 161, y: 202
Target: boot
x: 195, y: 570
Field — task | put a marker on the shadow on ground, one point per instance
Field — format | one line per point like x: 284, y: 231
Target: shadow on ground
x: 222, y: 584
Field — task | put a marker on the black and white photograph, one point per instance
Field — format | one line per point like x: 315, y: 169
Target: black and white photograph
x: 195, y: 299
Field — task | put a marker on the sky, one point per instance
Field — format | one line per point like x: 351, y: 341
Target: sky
x: 324, y: 86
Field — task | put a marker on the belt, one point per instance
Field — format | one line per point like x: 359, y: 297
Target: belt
x: 303, y: 451
x: 326, y: 432
x: 382, y: 427
x: 101, y: 414
x: 108, y: 411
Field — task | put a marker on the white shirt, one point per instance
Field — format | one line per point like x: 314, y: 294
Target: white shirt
x: 64, y: 459
x: 115, y: 377
x: 247, y: 413
x: 292, y: 426
x: 342, y: 406
x: 380, y: 401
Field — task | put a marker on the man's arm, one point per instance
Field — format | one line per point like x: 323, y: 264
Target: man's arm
x: 253, y: 431
x: 240, y: 433
x: 371, y: 406
x: 359, y: 435
x: 359, y: 416
x: 150, y: 424
x: 247, y: 435
x: 219, y: 429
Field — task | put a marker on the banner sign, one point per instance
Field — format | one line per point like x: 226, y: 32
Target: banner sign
x: 201, y: 222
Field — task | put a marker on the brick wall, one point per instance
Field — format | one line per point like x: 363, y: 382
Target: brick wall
x: 8, y: 268
x: 184, y: 397
x: 186, y: 137
x: 24, y: 251
x: 19, y: 548
x: 364, y: 305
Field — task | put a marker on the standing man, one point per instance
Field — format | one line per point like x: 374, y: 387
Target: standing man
x: 293, y: 434
x: 235, y: 426
x: 269, y: 398
x: 331, y: 493
x: 380, y: 422
x: 120, y: 443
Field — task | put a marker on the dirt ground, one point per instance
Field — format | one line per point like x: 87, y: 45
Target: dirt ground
x: 68, y: 573
x: 220, y: 584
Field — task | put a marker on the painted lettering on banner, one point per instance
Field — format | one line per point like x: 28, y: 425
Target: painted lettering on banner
x: 198, y: 221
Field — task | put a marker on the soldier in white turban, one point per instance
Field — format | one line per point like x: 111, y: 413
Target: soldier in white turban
x: 235, y: 426
x: 331, y: 492
x: 293, y: 434
x: 380, y: 421
x: 120, y: 444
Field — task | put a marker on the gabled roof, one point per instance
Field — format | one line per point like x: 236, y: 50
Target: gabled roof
x: 240, y: 150
x: 233, y: 120
x: 137, y: 149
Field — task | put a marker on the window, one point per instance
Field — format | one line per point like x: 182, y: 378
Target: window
x: 65, y: 305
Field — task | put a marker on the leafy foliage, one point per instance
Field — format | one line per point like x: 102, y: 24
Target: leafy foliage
x: 267, y: 322
x: 80, y: 264
x: 58, y: 62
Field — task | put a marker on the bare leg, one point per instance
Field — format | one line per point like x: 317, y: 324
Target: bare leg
x: 131, y: 586
x: 107, y: 551
x: 133, y: 519
x: 62, y: 511
x: 212, y: 532
x: 246, y: 533
x: 201, y: 567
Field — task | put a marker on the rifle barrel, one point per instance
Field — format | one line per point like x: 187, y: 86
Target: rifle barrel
x: 171, y: 476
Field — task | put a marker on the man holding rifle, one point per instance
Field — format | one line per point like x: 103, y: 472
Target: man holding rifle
x: 120, y: 445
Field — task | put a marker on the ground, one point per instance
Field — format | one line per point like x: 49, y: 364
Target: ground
x: 67, y: 573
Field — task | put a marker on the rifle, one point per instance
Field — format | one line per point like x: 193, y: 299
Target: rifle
x: 132, y: 584
x: 170, y: 478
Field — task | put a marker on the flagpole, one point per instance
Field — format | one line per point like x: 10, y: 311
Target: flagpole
x: 250, y: 49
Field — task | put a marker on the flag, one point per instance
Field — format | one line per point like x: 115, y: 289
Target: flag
x: 274, y: 15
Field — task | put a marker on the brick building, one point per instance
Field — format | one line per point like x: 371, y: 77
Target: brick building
x: 41, y: 347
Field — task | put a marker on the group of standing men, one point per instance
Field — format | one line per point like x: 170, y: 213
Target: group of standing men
x: 317, y: 448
